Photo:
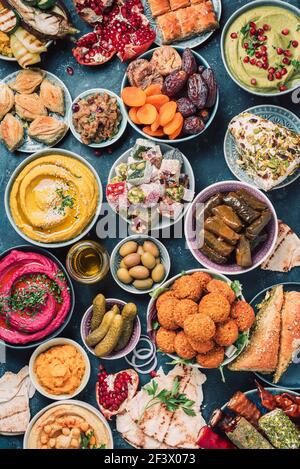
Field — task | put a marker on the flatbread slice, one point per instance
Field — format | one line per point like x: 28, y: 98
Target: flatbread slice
x: 286, y: 253
x: 290, y: 332
x: 261, y: 354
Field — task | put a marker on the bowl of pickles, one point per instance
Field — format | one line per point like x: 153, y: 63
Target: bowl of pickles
x: 231, y: 227
x: 139, y: 264
x: 110, y: 328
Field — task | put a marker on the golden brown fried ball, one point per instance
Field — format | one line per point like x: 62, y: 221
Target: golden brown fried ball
x: 219, y: 286
x: 165, y: 314
x: 199, y: 327
x: 165, y: 340
x: 187, y: 287
x: 163, y: 297
x: 227, y: 333
x: 183, y: 309
x: 203, y: 278
x: 182, y: 346
x: 243, y: 314
x: 216, y: 306
x: 201, y: 347
x: 212, y: 359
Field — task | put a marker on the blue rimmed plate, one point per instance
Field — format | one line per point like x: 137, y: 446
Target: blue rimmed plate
x: 191, y: 42
x: 276, y: 114
x: 291, y: 378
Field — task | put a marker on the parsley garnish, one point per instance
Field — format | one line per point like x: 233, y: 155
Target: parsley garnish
x: 66, y: 201
x: 86, y: 439
x: 298, y: 28
x: 295, y: 63
x: 172, y: 400
x: 245, y: 29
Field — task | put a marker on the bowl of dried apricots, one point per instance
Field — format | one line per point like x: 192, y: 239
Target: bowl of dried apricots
x: 170, y: 94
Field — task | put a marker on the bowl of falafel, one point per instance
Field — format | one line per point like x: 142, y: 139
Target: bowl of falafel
x: 200, y: 318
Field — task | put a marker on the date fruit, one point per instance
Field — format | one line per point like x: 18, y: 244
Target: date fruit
x: 193, y: 125
x: 186, y: 107
x: 189, y: 64
x: 197, y: 90
x: 210, y: 80
x: 174, y: 83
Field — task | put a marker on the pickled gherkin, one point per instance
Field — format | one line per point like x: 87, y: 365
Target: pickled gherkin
x: 94, y: 337
x: 108, y: 344
x: 99, y: 309
x: 128, y: 314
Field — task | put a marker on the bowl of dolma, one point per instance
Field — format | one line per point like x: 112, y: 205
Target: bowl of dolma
x: 231, y: 227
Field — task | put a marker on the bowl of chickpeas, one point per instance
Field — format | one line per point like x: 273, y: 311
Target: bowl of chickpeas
x: 140, y: 264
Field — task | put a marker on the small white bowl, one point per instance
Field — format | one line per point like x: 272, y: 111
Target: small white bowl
x: 115, y: 260
x: 90, y: 408
x: 122, y: 125
x: 46, y: 346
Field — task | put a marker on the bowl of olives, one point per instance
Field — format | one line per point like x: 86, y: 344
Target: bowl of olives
x: 140, y: 264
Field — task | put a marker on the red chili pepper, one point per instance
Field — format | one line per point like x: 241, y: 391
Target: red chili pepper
x: 267, y: 399
x: 292, y: 411
x: 208, y: 439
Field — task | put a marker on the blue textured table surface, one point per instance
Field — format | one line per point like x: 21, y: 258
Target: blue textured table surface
x: 207, y: 158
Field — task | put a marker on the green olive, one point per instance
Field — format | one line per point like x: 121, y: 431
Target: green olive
x: 143, y: 284
x: 139, y: 272
x: 149, y: 246
x: 132, y: 259
x: 158, y: 273
x: 148, y: 260
x: 124, y: 276
x: 128, y: 248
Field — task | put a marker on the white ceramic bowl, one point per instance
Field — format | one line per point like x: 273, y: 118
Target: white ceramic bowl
x: 39, y: 154
x: 122, y: 124
x: 115, y: 260
x: 247, y: 7
x: 262, y: 251
x: 132, y: 343
x: 46, y: 346
x: 164, y: 222
x: 82, y: 404
x: 152, y: 312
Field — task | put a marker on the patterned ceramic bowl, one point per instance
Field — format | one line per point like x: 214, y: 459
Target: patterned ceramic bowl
x: 258, y: 255
x: 85, y: 329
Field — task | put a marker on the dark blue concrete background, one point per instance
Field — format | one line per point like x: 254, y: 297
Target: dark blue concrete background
x: 207, y: 159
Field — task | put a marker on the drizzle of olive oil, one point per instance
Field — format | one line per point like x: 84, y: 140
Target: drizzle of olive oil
x: 87, y: 262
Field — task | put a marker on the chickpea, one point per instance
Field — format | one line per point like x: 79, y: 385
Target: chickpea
x: 52, y: 442
x: 74, y: 443
x: 66, y: 431
x: 92, y: 441
x: 47, y: 429
x: 84, y: 426
x: 75, y: 432
x: 44, y: 439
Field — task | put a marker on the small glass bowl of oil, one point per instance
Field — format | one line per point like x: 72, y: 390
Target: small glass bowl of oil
x: 87, y: 262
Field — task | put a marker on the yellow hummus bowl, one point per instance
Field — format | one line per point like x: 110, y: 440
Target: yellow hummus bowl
x: 53, y: 198
x: 260, y: 47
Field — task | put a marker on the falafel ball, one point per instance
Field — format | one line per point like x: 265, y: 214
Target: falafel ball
x: 165, y: 340
x: 201, y: 347
x: 199, y: 327
x: 216, y: 306
x: 203, y: 278
x: 219, y: 286
x: 182, y: 346
x: 227, y: 333
x: 243, y: 315
x: 183, y: 309
x: 163, y: 297
x: 165, y: 314
x: 212, y: 359
x: 187, y: 287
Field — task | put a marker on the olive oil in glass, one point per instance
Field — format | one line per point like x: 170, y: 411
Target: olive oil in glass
x: 87, y: 262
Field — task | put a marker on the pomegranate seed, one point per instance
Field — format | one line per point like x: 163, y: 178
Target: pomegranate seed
x: 233, y: 35
x: 278, y: 75
x: 283, y: 71
x: 263, y: 48
x: 272, y: 70
x: 260, y: 38
x: 253, y: 81
x: 98, y: 153
x: 265, y: 59
x: 258, y: 55
x: 259, y: 64
x: 153, y: 374
x: 266, y: 27
x: 285, y: 32
x: 109, y: 150
x: 286, y: 61
x: 265, y: 66
x: 288, y: 53
x: 295, y: 43
x: 70, y: 71
x: 252, y: 24
x: 252, y: 31
x: 75, y: 107
x: 246, y: 45
x: 270, y: 77
x: 282, y: 88
x: 253, y: 61
x: 246, y: 59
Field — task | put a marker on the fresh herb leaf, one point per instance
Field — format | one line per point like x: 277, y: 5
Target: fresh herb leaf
x: 157, y: 292
x: 65, y: 201
x: 155, y: 325
x: 86, y: 441
x: 298, y: 28
x: 236, y: 286
x: 221, y: 369
x: 245, y: 29
x: 295, y: 63
x: 241, y: 341
x: 180, y: 361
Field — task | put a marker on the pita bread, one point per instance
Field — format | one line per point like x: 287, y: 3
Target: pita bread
x: 286, y: 254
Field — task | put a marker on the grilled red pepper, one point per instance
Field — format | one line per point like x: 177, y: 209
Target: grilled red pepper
x: 208, y: 439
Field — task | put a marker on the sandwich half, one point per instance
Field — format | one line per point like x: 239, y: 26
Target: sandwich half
x: 261, y: 354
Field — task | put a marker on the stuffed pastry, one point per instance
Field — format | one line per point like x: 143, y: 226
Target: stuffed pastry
x: 11, y: 132
x: 29, y: 106
x: 53, y: 97
x: 7, y: 99
x: 27, y: 81
x: 47, y: 130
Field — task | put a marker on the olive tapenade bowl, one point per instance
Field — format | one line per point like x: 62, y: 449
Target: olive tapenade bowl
x: 85, y: 329
x: 194, y: 241
x: 200, y: 61
x: 121, y: 126
x: 237, y: 13
x: 56, y: 332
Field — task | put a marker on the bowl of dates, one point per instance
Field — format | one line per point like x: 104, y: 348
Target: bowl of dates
x: 231, y: 227
x: 170, y: 94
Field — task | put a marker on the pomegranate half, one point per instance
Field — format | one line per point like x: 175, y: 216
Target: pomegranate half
x: 113, y: 390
